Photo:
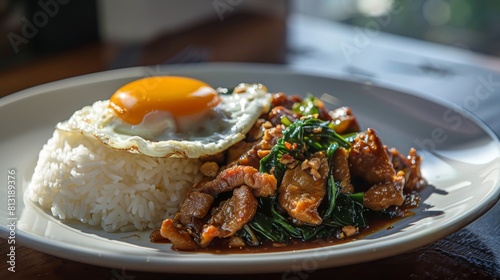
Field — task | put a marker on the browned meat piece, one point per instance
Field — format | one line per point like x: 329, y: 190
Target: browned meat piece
x: 382, y: 195
x: 230, y: 216
x: 271, y: 137
x: 218, y: 158
x: 180, y: 238
x: 209, y: 168
x: 257, y: 130
x: 196, y: 205
x: 411, y: 167
x: 415, y: 181
x: 278, y: 112
x: 262, y: 184
x: 238, y: 151
x: 349, y: 231
x: 287, y: 101
x: 340, y: 170
x: 369, y: 160
x: 255, y: 153
x: 208, y: 234
x: 344, y: 120
x: 301, y: 192
x: 250, y: 158
x: 236, y: 242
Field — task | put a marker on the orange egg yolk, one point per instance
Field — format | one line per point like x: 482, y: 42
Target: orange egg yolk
x: 180, y: 96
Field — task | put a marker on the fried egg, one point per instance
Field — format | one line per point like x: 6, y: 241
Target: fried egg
x: 172, y: 116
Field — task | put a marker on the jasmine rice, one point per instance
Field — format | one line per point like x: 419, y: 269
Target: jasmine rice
x: 77, y: 177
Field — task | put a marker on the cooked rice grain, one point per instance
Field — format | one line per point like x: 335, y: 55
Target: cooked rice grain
x: 77, y: 177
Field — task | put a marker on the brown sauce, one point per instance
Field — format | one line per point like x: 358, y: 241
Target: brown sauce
x: 375, y: 224
x: 156, y: 237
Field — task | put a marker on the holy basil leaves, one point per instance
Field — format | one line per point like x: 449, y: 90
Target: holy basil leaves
x: 301, y: 139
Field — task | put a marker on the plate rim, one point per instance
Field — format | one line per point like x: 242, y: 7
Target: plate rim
x: 44, y: 245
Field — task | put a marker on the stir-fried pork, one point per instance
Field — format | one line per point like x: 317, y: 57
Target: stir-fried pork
x: 369, y: 160
x: 382, y: 195
x: 344, y: 120
x: 410, y: 165
x: 302, y: 190
x: 180, y: 238
x: 340, y: 170
x: 196, y: 205
x: 262, y: 184
x: 384, y: 175
x: 252, y: 155
x: 278, y: 112
x: 230, y: 216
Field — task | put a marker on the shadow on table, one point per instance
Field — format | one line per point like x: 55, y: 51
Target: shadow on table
x: 423, y: 211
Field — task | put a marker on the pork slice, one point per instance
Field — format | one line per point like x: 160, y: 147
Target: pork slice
x: 340, y: 170
x: 254, y: 154
x: 262, y: 184
x: 179, y: 237
x: 278, y: 112
x: 196, y: 205
x: 230, y: 216
x: 411, y: 167
x: 369, y: 159
x: 382, y: 195
x: 301, y: 192
x: 344, y: 120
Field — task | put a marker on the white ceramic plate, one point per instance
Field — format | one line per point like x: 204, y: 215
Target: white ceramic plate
x: 461, y: 161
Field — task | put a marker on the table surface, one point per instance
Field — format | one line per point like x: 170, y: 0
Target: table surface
x: 319, y: 46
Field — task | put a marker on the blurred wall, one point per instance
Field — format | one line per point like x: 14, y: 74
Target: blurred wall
x: 48, y: 40
x: 35, y: 28
x: 139, y: 21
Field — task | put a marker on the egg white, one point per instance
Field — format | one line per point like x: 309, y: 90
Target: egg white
x: 160, y: 135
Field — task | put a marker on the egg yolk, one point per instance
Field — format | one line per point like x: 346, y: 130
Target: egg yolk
x: 180, y: 96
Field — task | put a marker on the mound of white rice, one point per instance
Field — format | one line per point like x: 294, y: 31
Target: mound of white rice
x: 77, y: 177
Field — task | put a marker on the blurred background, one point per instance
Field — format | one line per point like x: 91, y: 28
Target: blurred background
x: 473, y: 25
x: 47, y: 40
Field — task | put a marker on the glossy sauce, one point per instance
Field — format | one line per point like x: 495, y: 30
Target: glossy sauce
x: 375, y: 224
